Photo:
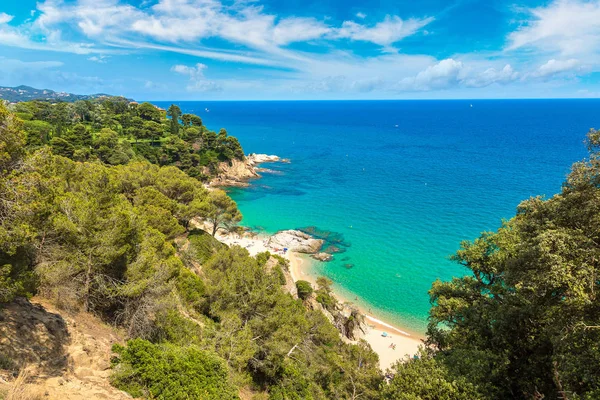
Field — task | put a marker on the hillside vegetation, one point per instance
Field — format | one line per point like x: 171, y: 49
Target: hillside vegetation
x: 116, y: 131
x: 93, y: 226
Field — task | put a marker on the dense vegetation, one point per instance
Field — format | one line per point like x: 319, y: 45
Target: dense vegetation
x: 92, y: 229
x: 92, y: 236
x: 116, y: 131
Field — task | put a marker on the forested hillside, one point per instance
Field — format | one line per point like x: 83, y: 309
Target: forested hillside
x: 116, y: 131
x: 26, y: 93
x: 96, y: 204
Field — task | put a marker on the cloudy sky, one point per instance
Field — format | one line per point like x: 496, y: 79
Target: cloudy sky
x: 303, y: 49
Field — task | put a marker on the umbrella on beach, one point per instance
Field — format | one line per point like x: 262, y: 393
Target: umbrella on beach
x: 384, y: 334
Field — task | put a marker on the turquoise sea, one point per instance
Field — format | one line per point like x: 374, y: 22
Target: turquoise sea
x: 402, y: 182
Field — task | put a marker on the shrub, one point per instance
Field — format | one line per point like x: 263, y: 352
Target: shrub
x: 304, y: 289
x: 203, y: 245
x: 170, y: 372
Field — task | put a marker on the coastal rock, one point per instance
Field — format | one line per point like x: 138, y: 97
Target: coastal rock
x: 297, y: 241
x: 237, y: 173
x: 322, y: 257
x: 234, y: 173
x: 313, y: 304
x: 348, y: 320
x: 261, y: 158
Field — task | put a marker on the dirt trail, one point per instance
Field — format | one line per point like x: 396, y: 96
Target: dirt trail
x: 67, y: 355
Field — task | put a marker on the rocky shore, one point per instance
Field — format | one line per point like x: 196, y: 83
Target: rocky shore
x: 297, y: 241
x: 237, y: 173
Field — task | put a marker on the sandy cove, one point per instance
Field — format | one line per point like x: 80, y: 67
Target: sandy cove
x: 405, y: 343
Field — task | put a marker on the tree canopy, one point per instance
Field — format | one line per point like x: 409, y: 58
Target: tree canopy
x: 115, y: 131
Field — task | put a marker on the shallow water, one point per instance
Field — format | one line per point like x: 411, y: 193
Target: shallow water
x: 402, y: 182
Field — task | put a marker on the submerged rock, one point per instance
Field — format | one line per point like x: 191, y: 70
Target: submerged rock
x: 296, y: 241
x: 322, y: 257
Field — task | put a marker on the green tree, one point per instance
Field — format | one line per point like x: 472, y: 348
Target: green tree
x: 62, y: 147
x: 78, y: 136
x: 12, y: 140
x: 524, y: 323
x: 304, y: 288
x: 38, y: 132
x: 190, y: 120
x: 149, y: 112
x: 175, y: 113
x: 423, y: 379
x: 219, y: 209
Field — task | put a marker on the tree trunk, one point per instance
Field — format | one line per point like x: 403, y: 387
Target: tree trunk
x: 88, y: 279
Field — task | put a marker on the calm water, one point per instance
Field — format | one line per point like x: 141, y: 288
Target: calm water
x: 404, y: 182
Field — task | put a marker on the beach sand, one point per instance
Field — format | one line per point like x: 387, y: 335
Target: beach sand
x: 405, y: 343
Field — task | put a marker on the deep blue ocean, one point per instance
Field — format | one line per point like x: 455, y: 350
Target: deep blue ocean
x: 403, y: 182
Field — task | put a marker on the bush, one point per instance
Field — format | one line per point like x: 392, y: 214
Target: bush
x: 203, y: 245
x: 304, y: 289
x: 170, y: 372
x: 191, y: 287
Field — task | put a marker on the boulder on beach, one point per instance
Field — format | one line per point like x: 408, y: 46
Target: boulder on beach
x: 296, y: 241
x: 322, y: 257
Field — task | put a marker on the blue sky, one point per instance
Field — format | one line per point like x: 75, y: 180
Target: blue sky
x: 303, y: 49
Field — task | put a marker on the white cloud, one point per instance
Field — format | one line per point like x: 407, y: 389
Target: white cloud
x: 568, y: 27
x: 8, y: 65
x: 291, y: 30
x: 450, y: 73
x: 243, y: 23
x: 5, y: 18
x: 555, y: 67
x: 198, y: 83
x: 491, y: 75
x: 361, y: 15
x: 195, y: 72
x: 101, y: 59
x: 392, y: 29
x: 442, y: 75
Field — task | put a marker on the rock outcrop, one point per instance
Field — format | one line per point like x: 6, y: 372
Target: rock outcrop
x: 348, y: 320
x: 262, y: 158
x: 297, y: 241
x: 239, y: 172
x: 234, y: 173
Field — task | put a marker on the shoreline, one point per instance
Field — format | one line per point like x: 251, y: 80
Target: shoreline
x: 405, y: 343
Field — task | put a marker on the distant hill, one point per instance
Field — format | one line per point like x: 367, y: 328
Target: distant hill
x: 26, y: 93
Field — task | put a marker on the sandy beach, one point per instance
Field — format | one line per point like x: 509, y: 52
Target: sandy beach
x: 404, y: 343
